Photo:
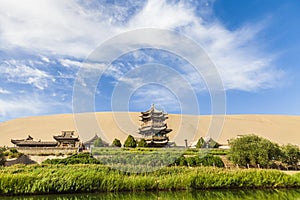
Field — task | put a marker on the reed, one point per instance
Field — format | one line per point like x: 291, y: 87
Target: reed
x: 45, y: 179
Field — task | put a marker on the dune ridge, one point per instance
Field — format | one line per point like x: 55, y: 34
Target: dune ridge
x: 277, y: 128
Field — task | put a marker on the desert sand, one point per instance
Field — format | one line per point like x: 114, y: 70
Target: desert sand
x: 107, y: 125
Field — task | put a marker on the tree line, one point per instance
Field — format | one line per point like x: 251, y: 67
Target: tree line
x: 129, y: 142
x: 255, y: 151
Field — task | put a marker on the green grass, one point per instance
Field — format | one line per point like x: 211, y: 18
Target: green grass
x: 297, y: 175
x: 176, y: 195
x: 140, y: 160
x: 144, y: 150
x: 83, y: 158
x: 44, y: 179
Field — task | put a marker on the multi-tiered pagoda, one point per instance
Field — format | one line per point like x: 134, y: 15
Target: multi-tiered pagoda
x: 153, y: 127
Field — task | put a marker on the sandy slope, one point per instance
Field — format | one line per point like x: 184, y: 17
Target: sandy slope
x: 281, y: 129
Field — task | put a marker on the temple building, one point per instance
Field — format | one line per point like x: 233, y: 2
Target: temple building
x: 153, y: 127
x: 91, y: 142
x: 29, y: 142
x: 67, y: 139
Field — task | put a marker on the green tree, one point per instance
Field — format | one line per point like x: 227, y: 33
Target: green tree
x: 117, y: 143
x: 200, y: 143
x: 290, y: 154
x: 2, y: 157
x: 99, y: 143
x: 253, y: 150
x: 130, y: 142
x: 142, y: 143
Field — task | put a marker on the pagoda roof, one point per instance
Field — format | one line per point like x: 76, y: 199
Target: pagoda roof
x: 153, y: 109
x: 30, y: 142
x: 159, y: 128
x: 160, y: 142
x: 148, y: 128
x: 16, y: 141
x: 29, y: 137
x: 153, y: 114
x: 145, y: 116
x: 36, y: 143
x: 66, y: 135
x: 157, y: 140
x: 158, y: 115
x: 145, y: 128
x: 58, y: 137
x: 92, y: 139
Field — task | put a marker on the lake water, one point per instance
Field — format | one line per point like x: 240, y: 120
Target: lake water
x: 199, y: 195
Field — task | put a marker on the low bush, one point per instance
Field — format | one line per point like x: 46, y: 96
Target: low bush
x: 130, y: 142
x: 82, y: 158
x: 117, y: 143
x: 11, y: 153
x: 193, y: 161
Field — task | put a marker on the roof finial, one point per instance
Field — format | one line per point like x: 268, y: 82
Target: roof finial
x: 152, y: 106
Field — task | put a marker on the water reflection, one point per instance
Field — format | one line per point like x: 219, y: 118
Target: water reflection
x: 187, y: 195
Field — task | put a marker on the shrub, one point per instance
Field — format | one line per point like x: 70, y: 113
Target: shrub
x: 13, y: 150
x: 200, y: 143
x: 130, y: 142
x: 142, y: 143
x: 2, y: 157
x: 194, y: 161
x: 82, y: 158
x: 10, y: 153
x: 117, y: 143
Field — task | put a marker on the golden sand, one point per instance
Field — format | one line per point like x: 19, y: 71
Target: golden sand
x: 277, y: 128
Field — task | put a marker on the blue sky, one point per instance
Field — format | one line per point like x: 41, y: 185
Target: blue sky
x: 254, y: 45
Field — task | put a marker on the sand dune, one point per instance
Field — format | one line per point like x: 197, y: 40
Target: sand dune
x: 280, y: 129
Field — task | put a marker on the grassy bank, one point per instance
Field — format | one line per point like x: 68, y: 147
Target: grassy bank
x: 44, y: 179
x: 272, y: 194
x: 139, y: 162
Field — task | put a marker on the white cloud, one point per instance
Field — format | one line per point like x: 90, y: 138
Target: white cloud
x: 4, y: 91
x: 241, y: 63
x: 28, y: 105
x: 18, y: 107
x: 18, y: 72
x: 131, y: 82
x: 161, y: 96
x: 69, y: 63
x: 79, y: 64
x: 59, y: 28
x: 53, y: 26
x: 160, y: 14
x: 45, y: 59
